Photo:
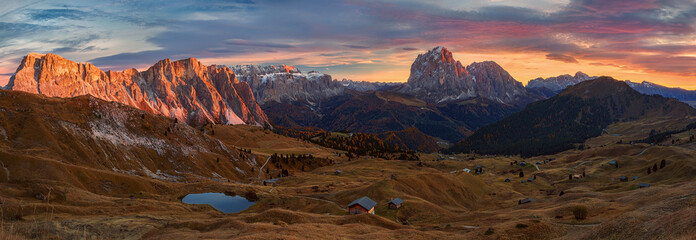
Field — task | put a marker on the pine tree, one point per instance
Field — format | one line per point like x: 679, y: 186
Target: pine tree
x: 654, y: 167
x: 662, y: 164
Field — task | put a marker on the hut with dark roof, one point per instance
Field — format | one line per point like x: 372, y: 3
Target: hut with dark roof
x: 362, y: 205
x: 395, y: 203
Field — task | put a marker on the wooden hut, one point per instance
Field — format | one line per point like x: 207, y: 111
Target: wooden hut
x: 395, y: 203
x: 362, y: 205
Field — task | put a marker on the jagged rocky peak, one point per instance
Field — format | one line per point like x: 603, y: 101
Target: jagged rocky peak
x: 436, y: 66
x: 437, y: 77
x: 559, y: 83
x: 184, y: 89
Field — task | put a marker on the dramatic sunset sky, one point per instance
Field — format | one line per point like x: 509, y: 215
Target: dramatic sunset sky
x: 373, y: 40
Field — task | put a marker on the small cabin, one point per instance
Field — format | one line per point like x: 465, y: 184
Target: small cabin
x: 523, y: 163
x: 508, y: 180
x: 623, y: 179
x: 466, y: 170
x: 613, y: 163
x: 635, y: 177
x: 337, y: 172
x: 643, y: 185
x: 577, y: 176
x: 526, y: 200
x: 530, y: 179
x: 395, y: 203
x: 362, y: 205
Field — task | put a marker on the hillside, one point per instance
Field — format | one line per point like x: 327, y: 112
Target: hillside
x: 576, y: 114
x: 81, y: 167
x: 410, y: 139
x: 377, y: 112
x: 48, y: 135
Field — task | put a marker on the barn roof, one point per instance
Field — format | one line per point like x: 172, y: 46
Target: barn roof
x: 365, y: 202
x: 397, y: 201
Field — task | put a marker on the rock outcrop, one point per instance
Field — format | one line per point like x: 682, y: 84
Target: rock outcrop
x: 184, y: 89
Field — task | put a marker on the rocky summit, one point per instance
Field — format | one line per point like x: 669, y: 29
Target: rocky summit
x: 185, y: 89
x: 437, y: 77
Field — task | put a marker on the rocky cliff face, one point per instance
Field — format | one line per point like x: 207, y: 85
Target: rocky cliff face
x: 559, y: 83
x: 437, y: 77
x: 282, y: 83
x: 184, y: 89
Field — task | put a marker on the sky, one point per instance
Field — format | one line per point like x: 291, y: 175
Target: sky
x: 370, y: 40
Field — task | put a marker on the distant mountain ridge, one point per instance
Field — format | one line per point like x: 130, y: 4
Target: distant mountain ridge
x: 646, y: 87
x: 554, y: 85
x: 283, y: 83
x: 560, y: 82
x: 364, y: 86
x: 185, y: 89
x: 579, y: 112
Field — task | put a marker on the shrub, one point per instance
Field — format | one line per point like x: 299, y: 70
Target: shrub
x: 580, y: 212
x: 489, y: 231
x: 520, y: 225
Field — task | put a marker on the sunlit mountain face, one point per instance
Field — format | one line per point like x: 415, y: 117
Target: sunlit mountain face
x: 644, y: 40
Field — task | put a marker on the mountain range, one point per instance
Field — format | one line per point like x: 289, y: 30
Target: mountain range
x: 186, y: 89
x: 443, y: 100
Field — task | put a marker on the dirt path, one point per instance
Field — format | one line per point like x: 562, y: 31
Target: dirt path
x: 261, y: 169
x: 579, y: 164
x: 641, y: 153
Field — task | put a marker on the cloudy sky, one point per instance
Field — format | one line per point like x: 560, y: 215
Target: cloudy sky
x: 374, y: 40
